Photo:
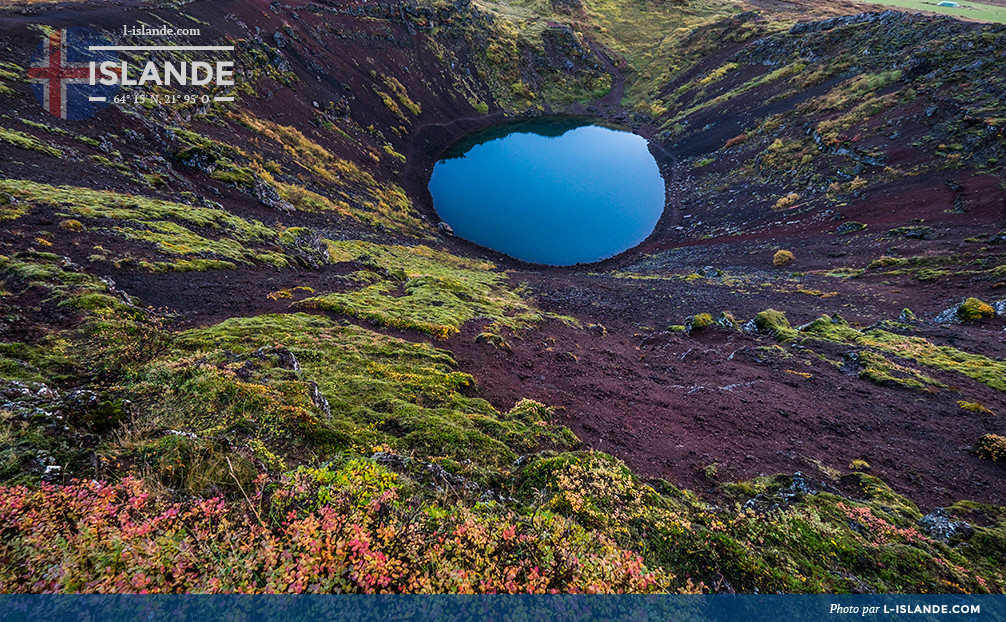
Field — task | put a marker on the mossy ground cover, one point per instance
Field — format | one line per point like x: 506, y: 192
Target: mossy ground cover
x: 239, y: 377
x: 931, y: 267
x: 423, y: 289
x: 28, y: 142
x: 174, y: 229
x: 988, y: 371
x: 211, y: 409
x: 276, y: 389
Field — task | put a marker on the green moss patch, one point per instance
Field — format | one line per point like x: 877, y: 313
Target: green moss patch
x: 172, y: 228
x: 422, y: 289
x: 28, y: 142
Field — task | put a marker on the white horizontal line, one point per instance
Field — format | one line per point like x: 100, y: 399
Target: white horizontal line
x: 157, y: 48
x: 223, y: 99
x: 97, y: 99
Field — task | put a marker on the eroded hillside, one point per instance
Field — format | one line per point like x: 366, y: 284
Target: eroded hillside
x: 235, y: 329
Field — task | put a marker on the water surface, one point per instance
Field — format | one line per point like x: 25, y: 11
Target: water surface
x: 556, y: 192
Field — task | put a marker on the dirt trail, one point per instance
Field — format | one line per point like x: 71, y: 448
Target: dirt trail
x: 614, y: 97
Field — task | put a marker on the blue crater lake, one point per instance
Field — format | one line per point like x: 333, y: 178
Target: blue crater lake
x: 556, y: 192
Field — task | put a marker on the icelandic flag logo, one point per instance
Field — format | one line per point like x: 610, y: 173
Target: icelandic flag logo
x: 60, y: 74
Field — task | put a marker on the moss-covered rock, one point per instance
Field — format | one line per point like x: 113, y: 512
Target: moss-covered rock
x: 973, y: 309
x: 727, y: 320
x: 698, y: 322
x: 850, y: 226
x: 775, y: 323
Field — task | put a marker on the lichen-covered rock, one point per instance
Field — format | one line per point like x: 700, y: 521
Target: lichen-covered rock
x: 939, y: 526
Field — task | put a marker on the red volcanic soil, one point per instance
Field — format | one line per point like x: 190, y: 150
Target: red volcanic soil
x: 669, y: 403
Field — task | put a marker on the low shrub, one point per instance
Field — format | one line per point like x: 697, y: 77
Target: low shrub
x: 783, y: 258
x: 787, y: 201
x: 991, y: 447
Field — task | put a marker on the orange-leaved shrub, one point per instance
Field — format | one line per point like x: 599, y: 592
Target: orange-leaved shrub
x: 315, y: 530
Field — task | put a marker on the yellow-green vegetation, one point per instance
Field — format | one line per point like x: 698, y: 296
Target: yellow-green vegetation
x: 198, y: 150
x: 71, y: 225
x: 649, y: 37
x: 107, y: 163
x: 834, y: 328
x: 991, y: 447
x: 27, y: 142
x: 973, y: 309
x: 9, y: 72
x: 975, y: 407
x: 256, y: 376
x: 290, y: 387
x: 787, y: 201
x: 422, y: 289
x: 383, y: 203
x: 936, y: 266
x: 400, y: 94
x: 881, y: 370
x: 351, y: 427
x: 698, y: 322
x: 795, y: 547
x: 169, y: 226
x: 783, y: 258
x: 786, y: 72
x: 70, y: 295
x: 308, y: 201
x: 785, y: 156
x: 58, y: 131
x: 776, y: 324
x: 851, y: 91
x: 11, y: 208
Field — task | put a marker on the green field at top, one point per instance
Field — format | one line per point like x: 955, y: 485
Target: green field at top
x: 965, y: 10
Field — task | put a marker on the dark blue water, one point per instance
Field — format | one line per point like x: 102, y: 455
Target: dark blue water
x: 550, y: 192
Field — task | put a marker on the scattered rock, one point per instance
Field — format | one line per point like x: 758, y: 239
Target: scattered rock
x: 320, y: 402
x: 913, y: 233
x: 849, y: 227
x: 698, y: 322
x: 969, y: 310
x: 88, y: 409
x: 268, y: 196
x: 727, y: 320
x: 939, y: 526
